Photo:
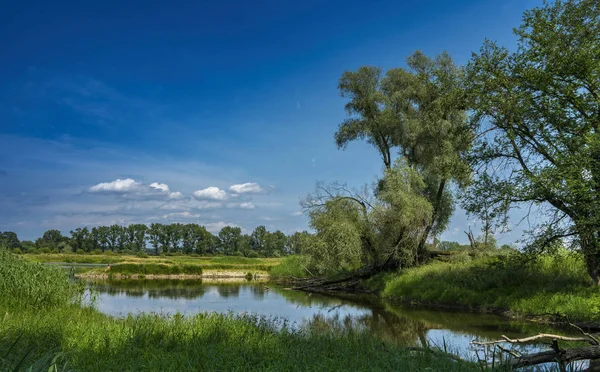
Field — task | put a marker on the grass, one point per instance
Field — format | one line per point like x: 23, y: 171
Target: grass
x: 45, y: 326
x: 34, y: 285
x: 556, y: 285
x: 155, y: 269
x: 159, y: 264
x: 295, y: 266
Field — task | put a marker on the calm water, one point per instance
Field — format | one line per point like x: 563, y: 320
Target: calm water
x: 406, y: 325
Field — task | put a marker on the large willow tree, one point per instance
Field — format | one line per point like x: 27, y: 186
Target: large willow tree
x: 538, y: 112
x: 417, y: 114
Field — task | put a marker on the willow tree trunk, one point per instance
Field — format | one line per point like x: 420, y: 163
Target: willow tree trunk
x: 437, y: 204
x: 590, y: 247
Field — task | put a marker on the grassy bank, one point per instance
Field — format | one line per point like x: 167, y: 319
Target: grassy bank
x: 46, y: 325
x: 547, y: 286
x: 162, y: 265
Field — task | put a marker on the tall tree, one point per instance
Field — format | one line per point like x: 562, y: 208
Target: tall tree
x: 9, y: 240
x: 538, y: 116
x: 50, y: 239
x: 230, y: 237
x: 417, y: 111
x: 80, y: 239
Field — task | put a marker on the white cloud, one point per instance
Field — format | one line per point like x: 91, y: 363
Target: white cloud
x: 175, y: 195
x: 247, y: 205
x: 160, y: 186
x: 215, y: 227
x: 211, y: 193
x: 118, y: 185
x: 181, y: 214
x: 297, y: 213
x: 244, y: 188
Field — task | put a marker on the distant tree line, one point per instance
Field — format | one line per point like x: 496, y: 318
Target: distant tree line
x: 159, y: 239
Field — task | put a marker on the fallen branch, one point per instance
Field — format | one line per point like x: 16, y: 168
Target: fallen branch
x: 536, y: 337
x: 566, y: 356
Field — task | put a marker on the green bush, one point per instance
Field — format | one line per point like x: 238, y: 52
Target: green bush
x: 45, y: 250
x: 80, y: 251
x: 17, y: 251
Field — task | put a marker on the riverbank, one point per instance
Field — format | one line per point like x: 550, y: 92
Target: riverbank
x: 47, y: 325
x: 205, y: 262
x: 549, y: 289
x: 206, y: 274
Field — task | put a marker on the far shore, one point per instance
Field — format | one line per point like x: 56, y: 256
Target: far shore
x: 205, y: 275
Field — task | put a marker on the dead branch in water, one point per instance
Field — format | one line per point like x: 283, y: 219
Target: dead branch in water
x: 556, y: 355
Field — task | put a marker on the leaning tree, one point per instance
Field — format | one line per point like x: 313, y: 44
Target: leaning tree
x: 537, y: 113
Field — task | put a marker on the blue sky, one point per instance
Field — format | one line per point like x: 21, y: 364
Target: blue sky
x: 214, y: 112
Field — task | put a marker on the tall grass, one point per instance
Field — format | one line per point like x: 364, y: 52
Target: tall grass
x: 549, y: 285
x: 25, y: 285
x: 296, y: 266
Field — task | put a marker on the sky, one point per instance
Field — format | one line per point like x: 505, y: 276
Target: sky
x: 211, y: 112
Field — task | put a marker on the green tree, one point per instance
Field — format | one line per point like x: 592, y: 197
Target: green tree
x: 50, y: 239
x: 299, y: 242
x: 137, y: 237
x: 154, y: 237
x: 174, y: 234
x: 9, y: 240
x: 229, y: 238
x: 356, y: 230
x: 258, y: 239
x: 80, y: 239
x: 417, y: 111
x: 102, y: 234
x: 538, y: 116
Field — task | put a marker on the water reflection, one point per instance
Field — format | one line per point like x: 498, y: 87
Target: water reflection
x: 319, y: 313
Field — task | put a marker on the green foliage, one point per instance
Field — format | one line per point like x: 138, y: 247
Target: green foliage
x: 155, y: 269
x: 295, y: 266
x: 418, y: 111
x: 27, y: 285
x: 548, y: 285
x: 9, y: 240
x: 356, y: 229
x: 537, y: 113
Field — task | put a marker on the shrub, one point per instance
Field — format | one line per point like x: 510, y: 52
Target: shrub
x: 45, y: 250
x: 80, y: 251
x: 17, y: 251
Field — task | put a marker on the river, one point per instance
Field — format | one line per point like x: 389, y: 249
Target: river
x: 407, y: 325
